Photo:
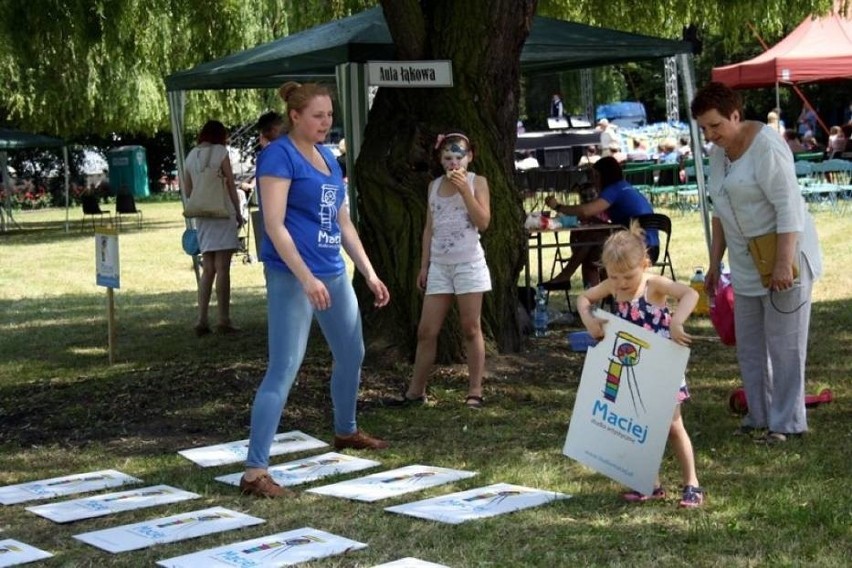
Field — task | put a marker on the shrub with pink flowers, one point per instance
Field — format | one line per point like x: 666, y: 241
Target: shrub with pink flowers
x: 28, y: 198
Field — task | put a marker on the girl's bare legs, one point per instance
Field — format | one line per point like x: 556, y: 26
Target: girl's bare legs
x: 223, y: 286
x: 435, y: 308
x: 205, y: 287
x: 470, y: 312
x: 682, y: 447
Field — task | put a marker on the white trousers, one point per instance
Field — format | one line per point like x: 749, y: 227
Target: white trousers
x: 772, y: 349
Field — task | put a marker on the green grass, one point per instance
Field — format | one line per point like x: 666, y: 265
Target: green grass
x: 64, y: 410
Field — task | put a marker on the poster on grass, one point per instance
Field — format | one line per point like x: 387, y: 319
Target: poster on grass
x: 393, y: 483
x: 235, y: 452
x: 13, y: 553
x: 102, y: 505
x: 308, y: 469
x: 282, y: 549
x: 479, y: 503
x: 409, y: 563
x: 625, y: 403
x: 167, y: 529
x: 62, y: 486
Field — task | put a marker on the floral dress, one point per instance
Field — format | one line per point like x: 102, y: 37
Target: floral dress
x: 653, y: 318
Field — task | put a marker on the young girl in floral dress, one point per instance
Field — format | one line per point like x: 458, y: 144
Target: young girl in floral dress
x: 641, y: 299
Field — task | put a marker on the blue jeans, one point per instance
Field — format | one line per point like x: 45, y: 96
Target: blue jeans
x: 289, y: 315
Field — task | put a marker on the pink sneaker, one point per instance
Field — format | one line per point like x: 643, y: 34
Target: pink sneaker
x: 636, y: 497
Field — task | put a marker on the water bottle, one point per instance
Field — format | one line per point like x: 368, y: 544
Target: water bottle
x: 540, y: 315
x: 697, y: 284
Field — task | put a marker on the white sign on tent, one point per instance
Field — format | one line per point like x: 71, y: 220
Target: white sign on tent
x: 410, y: 73
x: 625, y: 403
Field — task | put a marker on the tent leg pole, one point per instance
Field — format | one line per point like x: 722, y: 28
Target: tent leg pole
x: 688, y: 77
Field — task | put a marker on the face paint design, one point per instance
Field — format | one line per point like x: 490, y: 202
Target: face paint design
x: 455, y: 156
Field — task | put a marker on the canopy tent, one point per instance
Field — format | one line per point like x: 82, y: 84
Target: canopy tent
x: 17, y: 140
x: 341, y: 49
x: 553, y: 45
x: 819, y: 49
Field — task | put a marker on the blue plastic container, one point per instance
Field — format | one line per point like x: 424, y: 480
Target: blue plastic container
x: 581, y: 341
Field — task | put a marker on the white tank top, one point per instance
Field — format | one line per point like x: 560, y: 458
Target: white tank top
x: 455, y: 239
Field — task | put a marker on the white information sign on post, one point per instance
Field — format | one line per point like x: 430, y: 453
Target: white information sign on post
x: 106, y: 258
x: 107, y: 274
x: 625, y: 403
x: 409, y: 74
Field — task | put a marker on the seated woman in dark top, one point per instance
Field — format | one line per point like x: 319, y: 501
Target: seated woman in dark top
x: 619, y: 201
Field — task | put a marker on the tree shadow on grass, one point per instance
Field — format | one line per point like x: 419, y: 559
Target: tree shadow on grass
x: 47, y: 232
x: 171, y: 390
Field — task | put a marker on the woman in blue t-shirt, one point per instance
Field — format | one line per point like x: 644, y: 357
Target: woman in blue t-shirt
x: 306, y: 221
x: 617, y: 198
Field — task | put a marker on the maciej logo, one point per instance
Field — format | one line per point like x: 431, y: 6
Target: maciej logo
x: 622, y: 426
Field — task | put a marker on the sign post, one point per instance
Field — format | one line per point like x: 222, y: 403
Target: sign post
x: 108, y: 275
x: 408, y: 74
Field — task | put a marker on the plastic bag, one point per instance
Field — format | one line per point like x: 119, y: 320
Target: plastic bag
x: 536, y: 221
x: 722, y: 312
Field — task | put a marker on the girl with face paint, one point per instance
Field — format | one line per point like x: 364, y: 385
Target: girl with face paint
x: 452, y: 266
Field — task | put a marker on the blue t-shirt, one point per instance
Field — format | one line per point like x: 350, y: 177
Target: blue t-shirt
x: 312, y: 207
x: 625, y: 203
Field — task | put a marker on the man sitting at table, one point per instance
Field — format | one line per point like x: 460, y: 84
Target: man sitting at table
x: 616, y: 199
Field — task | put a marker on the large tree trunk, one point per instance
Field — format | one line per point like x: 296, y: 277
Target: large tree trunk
x: 483, y: 38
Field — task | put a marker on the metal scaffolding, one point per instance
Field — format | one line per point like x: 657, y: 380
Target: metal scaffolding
x: 672, y: 106
x: 587, y: 92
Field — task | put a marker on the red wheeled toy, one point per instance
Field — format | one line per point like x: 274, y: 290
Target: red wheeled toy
x: 738, y: 403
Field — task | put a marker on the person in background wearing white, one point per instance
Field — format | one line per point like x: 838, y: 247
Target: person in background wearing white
x: 753, y: 186
x: 609, y: 136
x: 217, y: 238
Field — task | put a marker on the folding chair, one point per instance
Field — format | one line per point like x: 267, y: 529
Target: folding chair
x: 91, y: 208
x: 663, y: 225
x: 126, y: 205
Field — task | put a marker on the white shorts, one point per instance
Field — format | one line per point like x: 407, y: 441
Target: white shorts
x: 461, y: 278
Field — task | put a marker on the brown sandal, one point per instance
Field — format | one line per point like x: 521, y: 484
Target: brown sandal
x: 473, y: 401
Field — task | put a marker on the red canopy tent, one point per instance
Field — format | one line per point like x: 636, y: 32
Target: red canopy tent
x: 819, y: 49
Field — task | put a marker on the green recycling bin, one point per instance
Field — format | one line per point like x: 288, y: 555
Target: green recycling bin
x: 128, y: 171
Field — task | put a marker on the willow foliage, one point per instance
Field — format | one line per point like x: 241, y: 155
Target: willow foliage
x: 72, y: 67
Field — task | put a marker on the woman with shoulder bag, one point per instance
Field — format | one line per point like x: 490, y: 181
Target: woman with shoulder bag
x: 756, y: 202
x: 217, y: 230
